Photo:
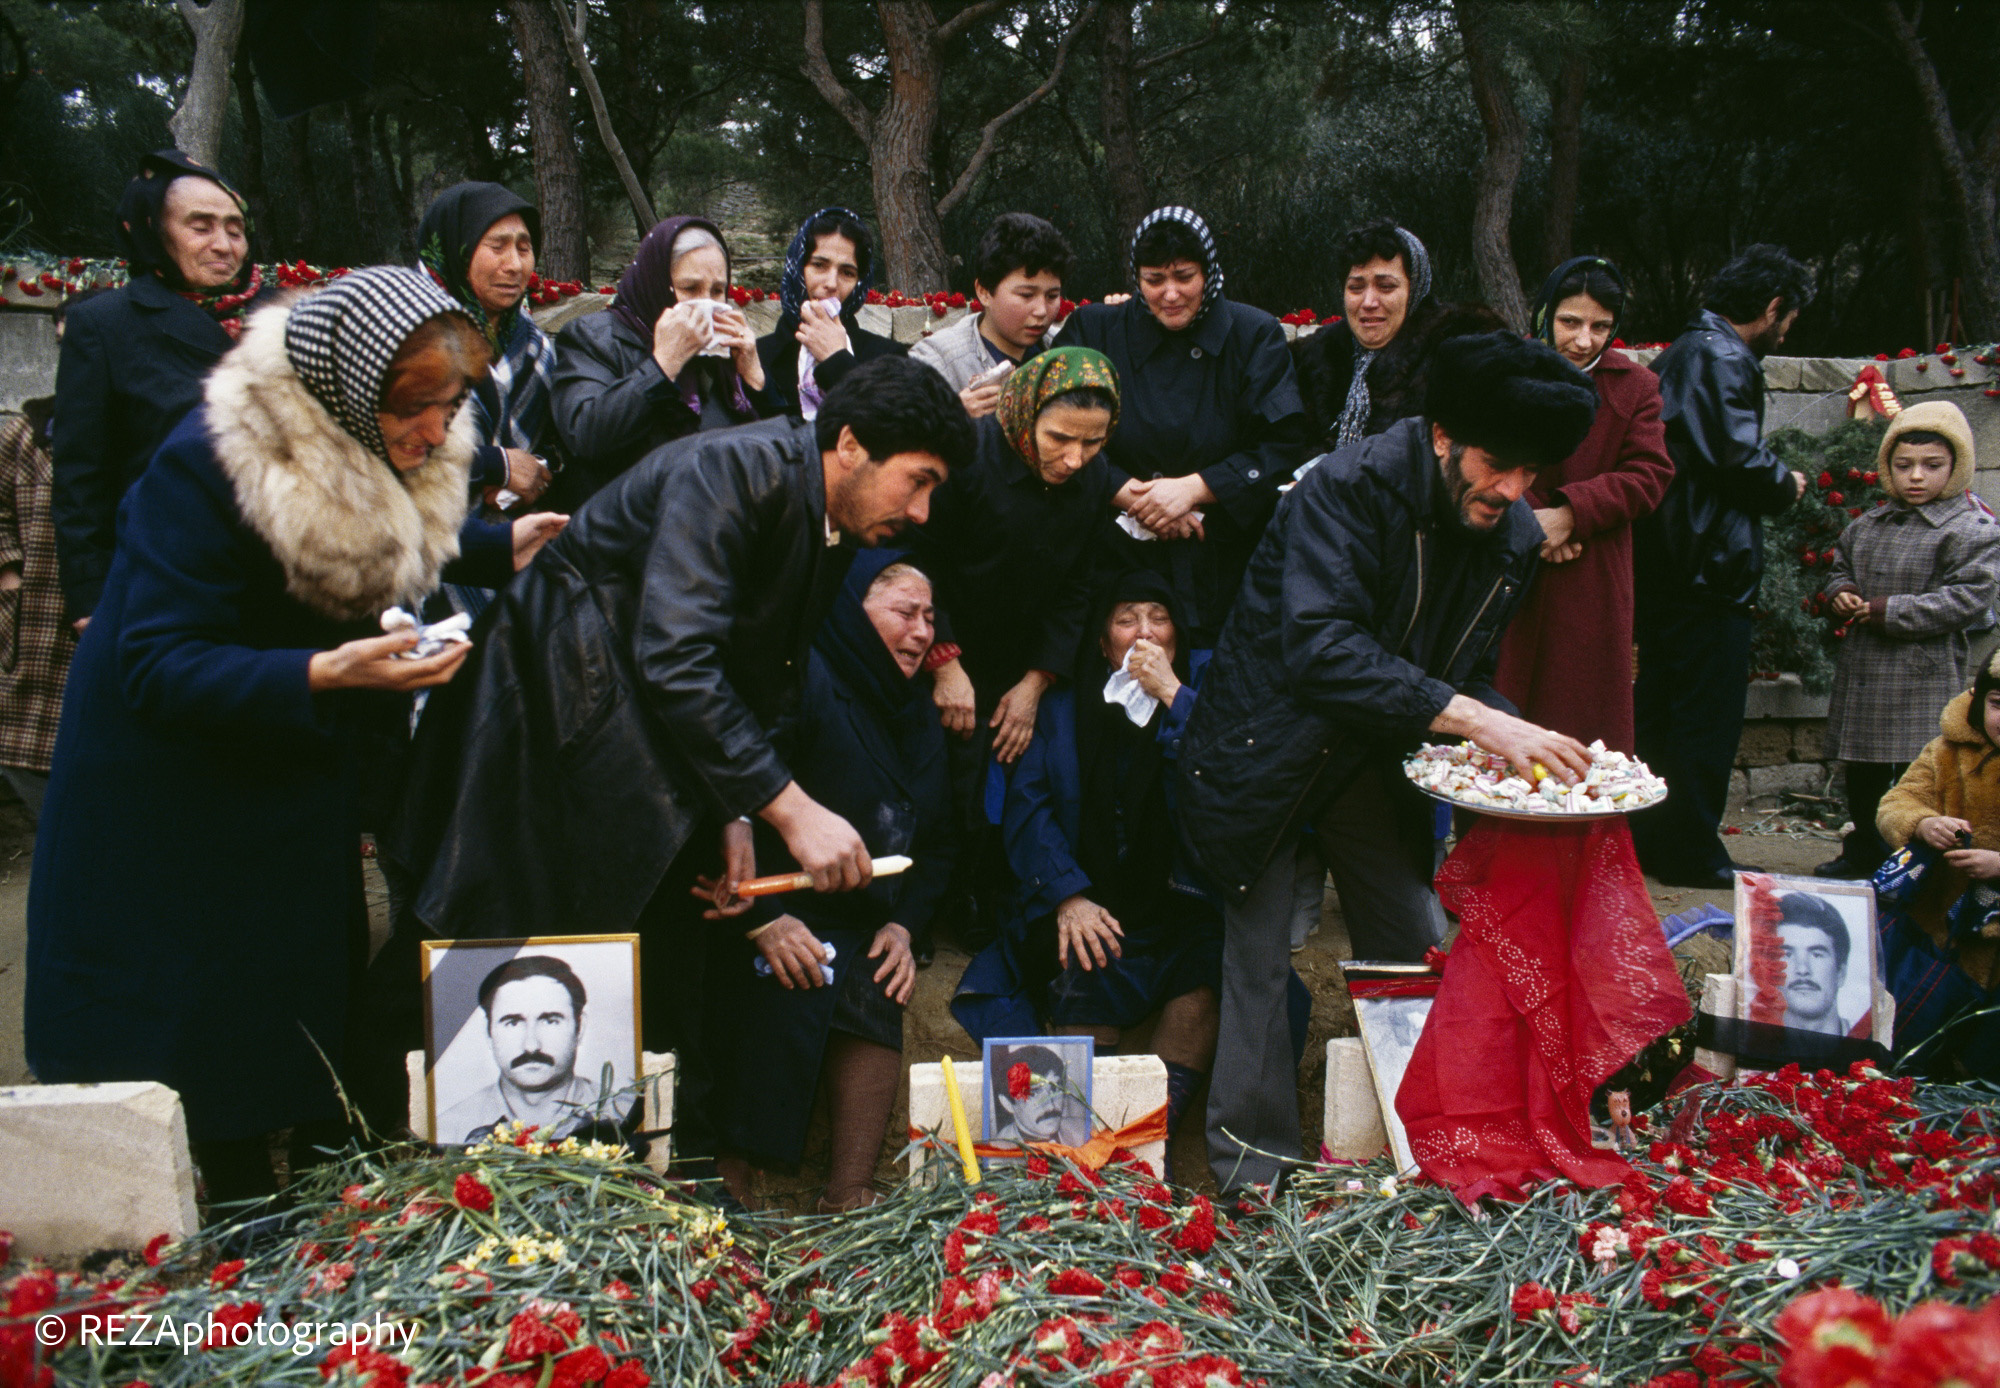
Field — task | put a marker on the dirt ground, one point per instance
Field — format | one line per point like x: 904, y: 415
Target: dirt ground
x: 928, y: 1028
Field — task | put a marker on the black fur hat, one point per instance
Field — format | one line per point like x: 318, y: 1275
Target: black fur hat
x: 1516, y: 398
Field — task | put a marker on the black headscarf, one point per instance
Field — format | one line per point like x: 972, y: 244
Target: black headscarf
x: 1130, y: 854
x: 453, y: 226
x: 1542, y: 319
x: 646, y: 290
x: 856, y: 654
x: 141, y: 207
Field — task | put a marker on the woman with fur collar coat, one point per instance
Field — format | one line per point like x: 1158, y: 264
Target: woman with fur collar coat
x: 197, y: 910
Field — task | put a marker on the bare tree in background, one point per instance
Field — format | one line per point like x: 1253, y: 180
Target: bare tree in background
x: 197, y: 125
x: 1971, y: 167
x: 1500, y: 168
x: 1565, y: 153
x: 901, y: 136
x: 579, y: 56
x: 564, y: 250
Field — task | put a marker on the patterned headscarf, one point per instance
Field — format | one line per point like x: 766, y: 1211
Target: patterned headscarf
x: 1542, y: 320
x: 454, y: 224
x: 1041, y: 379
x: 792, y: 288
x: 1353, y: 423
x: 1211, y: 267
x: 646, y: 290
x: 341, y: 339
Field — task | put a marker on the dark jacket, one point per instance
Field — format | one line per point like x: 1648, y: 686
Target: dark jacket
x: 778, y: 350
x: 613, y: 404
x: 1012, y: 560
x: 623, y: 690
x: 131, y: 368
x: 1218, y: 398
x: 1397, y: 376
x: 1706, y: 540
x: 1365, y: 609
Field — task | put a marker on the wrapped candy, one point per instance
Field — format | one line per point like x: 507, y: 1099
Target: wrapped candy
x: 1473, y: 777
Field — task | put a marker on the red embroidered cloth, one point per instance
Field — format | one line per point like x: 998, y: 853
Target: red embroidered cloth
x: 1560, y: 975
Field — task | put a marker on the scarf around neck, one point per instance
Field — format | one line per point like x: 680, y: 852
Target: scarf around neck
x: 1353, y: 423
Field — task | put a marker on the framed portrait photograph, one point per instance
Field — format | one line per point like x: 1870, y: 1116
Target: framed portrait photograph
x: 1390, y: 1026
x: 1037, y: 1089
x: 542, y: 1031
x: 1805, y: 954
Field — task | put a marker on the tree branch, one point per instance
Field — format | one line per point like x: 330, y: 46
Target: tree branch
x: 819, y: 72
x: 993, y: 127
x: 579, y: 57
x: 964, y: 20
x: 1182, y: 50
x: 1930, y: 95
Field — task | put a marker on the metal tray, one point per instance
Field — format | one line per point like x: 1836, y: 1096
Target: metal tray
x: 1534, y: 816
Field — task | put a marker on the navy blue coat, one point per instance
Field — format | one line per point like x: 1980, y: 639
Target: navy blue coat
x: 196, y: 903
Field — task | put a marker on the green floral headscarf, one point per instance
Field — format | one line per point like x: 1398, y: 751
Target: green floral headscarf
x: 1041, y: 379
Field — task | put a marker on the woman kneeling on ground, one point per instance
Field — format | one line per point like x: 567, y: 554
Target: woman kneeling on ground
x: 1110, y: 929
x: 869, y: 747
x: 197, y: 908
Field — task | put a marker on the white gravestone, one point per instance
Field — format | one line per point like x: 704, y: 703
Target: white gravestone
x: 1352, y: 1128
x: 1123, y: 1089
x: 91, y: 1166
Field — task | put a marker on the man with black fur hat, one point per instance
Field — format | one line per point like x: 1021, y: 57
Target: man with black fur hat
x: 1370, y: 616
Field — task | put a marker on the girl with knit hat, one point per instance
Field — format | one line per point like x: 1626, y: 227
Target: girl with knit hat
x: 1910, y: 579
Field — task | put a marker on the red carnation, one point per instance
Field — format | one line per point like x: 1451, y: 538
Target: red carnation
x: 1530, y: 1298
x: 1019, y: 1079
x: 154, y: 1247
x: 1835, y: 499
x: 1076, y: 1282
x: 472, y: 1193
x: 1826, y: 479
x: 225, y: 1274
x: 1832, y: 1337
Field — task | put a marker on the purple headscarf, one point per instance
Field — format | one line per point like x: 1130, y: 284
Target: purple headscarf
x: 646, y: 290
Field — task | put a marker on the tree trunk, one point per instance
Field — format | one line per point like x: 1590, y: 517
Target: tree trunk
x: 900, y: 154
x: 1565, y: 154
x: 1506, y: 142
x: 1118, y: 118
x: 564, y: 252
x: 579, y: 56
x: 197, y: 125
x: 368, y: 239
x: 1971, y: 180
x: 305, y: 194
x: 254, y: 190
x: 403, y: 242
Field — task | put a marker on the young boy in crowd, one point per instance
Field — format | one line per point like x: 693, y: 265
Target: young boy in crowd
x: 1911, y: 578
x: 1017, y: 277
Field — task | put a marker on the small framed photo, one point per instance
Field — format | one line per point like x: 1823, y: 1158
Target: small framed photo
x: 542, y: 1031
x: 1390, y: 1025
x: 1037, y: 1089
x: 1805, y: 954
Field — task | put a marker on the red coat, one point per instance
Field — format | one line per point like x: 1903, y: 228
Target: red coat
x: 1567, y: 658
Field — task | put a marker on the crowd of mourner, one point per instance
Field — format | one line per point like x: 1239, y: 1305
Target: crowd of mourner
x: 1117, y: 625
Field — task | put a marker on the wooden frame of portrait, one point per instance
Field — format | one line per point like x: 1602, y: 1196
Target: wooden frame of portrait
x: 481, y: 956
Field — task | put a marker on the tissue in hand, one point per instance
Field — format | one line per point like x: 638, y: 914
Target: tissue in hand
x: 1126, y: 692
x: 430, y: 639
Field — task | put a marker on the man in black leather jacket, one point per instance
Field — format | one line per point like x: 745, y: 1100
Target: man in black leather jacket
x: 1698, y: 559
x: 1370, y: 615
x: 624, y: 707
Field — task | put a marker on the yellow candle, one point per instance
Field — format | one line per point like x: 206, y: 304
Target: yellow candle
x: 952, y: 1096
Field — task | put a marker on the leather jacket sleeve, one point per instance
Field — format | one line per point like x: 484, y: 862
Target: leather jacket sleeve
x: 606, y: 400
x: 700, y: 552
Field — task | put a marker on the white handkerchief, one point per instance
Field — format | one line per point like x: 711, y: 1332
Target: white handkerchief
x: 1138, y: 531
x: 1126, y: 692
x: 430, y: 639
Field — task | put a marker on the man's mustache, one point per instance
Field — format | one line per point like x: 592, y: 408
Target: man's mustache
x: 530, y: 1058
x: 1804, y: 983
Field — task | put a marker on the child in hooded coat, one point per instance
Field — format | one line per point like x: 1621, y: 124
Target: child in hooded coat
x: 1910, y: 580
x: 1938, y: 896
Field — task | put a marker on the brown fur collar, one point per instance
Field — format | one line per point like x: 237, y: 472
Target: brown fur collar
x: 354, y: 536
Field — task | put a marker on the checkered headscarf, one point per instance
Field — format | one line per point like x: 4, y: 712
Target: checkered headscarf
x: 341, y: 339
x: 1211, y: 266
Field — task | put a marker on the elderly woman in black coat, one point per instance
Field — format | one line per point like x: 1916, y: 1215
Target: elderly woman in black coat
x: 234, y: 660
x: 669, y: 358
x: 133, y: 359
x: 868, y: 745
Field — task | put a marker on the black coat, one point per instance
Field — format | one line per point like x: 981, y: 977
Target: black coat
x: 1397, y: 376
x: 778, y: 350
x: 1012, y: 560
x: 1706, y: 540
x: 131, y: 367
x: 1219, y: 398
x: 1365, y: 609
x: 613, y: 404
x: 623, y: 690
